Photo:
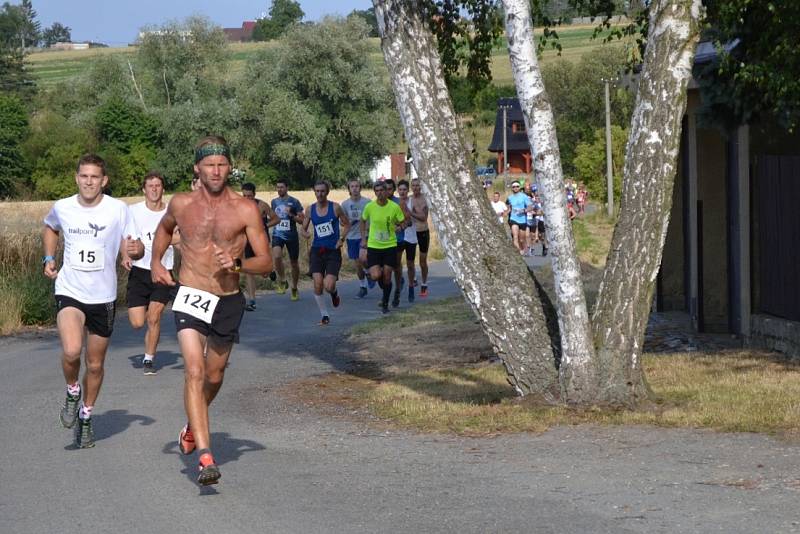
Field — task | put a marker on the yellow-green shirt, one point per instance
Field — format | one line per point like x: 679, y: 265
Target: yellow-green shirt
x: 382, y: 221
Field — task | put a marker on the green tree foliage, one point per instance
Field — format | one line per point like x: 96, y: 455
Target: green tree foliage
x: 282, y: 15
x: 760, y: 78
x: 369, y: 17
x: 173, y: 57
x: 590, y: 163
x: 320, y: 108
x: 123, y: 126
x: 14, y: 118
x: 576, y: 94
x: 13, y: 76
x: 57, y: 33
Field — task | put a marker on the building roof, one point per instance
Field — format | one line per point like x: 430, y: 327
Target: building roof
x: 514, y: 140
x: 245, y: 33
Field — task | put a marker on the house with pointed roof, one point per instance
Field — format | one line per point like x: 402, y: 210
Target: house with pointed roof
x: 517, y: 146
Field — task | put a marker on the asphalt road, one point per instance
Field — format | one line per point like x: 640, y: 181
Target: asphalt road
x: 287, y: 468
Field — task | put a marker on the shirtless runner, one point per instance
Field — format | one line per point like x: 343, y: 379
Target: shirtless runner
x: 215, y: 224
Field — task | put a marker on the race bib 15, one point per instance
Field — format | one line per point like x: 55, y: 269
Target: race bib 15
x: 87, y: 258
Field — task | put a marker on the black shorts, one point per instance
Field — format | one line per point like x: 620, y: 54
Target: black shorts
x: 142, y: 291
x: 323, y: 260
x: 424, y: 239
x: 292, y: 245
x: 99, y: 318
x: 382, y: 257
x: 540, y: 226
x: 522, y: 226
x: 409, y: 248
x: 225, y: 322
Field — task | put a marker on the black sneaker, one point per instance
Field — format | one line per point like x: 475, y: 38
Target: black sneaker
x: 396, y: 299
x: 335, y: 300
x: 149, y: 369
x: 411, y: 294
x: 251, y: 306
x: 69, y: 413
x: 325, y: 320
x: 209, y: 474
x: 544, y: 251
x: 362, y: 292
x: 273, y: 276
x: 384, y: 308
x: 84, y: 436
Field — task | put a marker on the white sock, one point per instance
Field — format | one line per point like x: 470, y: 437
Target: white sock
x: 85, y: 411
x: 74, y: 389
x: 321, y: 305
x: 149, y: 357
x: 363, y: 282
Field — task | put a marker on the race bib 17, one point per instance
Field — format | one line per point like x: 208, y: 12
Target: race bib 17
x: 196, y: 302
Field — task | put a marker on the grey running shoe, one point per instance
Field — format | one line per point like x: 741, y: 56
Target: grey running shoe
x: 148, y: 367
x: 209, y: 474
x: 69, y: 413
x: 84, y: 436
x: 362, y: 292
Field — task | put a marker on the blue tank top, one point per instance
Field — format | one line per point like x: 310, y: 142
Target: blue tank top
x: 326, y: 227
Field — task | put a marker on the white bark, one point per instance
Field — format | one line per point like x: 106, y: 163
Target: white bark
x: 490, y: 272
x: 577, y: 371
x: 623, y: 303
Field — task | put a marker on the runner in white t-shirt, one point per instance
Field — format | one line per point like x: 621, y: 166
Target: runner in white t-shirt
x: 96, y: 229
x: 146, y: 300
x: 499, y: 206
x: 353, y: 207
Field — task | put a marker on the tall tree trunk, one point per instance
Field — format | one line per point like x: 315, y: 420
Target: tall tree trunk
x: 578, y: 373
x: 623, y: 303
x: 493, y: 277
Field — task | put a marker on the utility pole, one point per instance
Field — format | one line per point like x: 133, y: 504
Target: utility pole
x: 609, y: 163
x: 505, y: 106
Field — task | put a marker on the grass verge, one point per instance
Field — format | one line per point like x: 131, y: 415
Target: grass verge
x: 736, y: 391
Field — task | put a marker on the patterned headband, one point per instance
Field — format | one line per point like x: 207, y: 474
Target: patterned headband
x: 212, y: 149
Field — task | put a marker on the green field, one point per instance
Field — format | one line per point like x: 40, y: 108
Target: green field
x: 51, y: 67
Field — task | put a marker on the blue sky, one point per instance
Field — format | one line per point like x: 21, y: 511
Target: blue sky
x: 117, y: 22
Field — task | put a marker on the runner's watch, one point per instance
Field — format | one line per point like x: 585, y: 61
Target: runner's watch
x: 237, y: 264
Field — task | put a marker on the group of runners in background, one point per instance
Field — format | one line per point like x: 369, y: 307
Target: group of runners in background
x: 525, y: 213
x: 221, y: 235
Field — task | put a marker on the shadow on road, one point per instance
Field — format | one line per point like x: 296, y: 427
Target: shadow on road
x: 163, y: 359
x: 226, y: 449
x: 114, y: 422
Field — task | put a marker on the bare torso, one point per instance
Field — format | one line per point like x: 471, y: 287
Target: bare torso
x: 419, y: 206
x: 205, y: 224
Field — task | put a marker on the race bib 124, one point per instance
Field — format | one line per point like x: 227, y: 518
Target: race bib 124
x: 196, y: 302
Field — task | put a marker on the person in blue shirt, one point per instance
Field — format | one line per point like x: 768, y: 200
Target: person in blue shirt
x: 289, y: 212
x: 518, y: 206
x: 325, y: 256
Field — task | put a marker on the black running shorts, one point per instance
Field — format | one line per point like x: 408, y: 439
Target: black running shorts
x: 142, y: 291
x: 424, y: 239
x: 99, y: 318
x: 409, y: 248
x: 292, y: 245
x: 327, y: 261
x: 225, y: 322
x: 382, y: 257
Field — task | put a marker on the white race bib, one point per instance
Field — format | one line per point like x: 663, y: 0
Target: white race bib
x: 285, y: 225
x: 323, y: 229
x: 87, y: 258
x: 196, y: 302
x: 382, y: 236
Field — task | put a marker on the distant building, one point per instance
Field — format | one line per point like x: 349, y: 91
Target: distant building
x: 240, y: 35
x: 517, y: 145
x: 70, y: 46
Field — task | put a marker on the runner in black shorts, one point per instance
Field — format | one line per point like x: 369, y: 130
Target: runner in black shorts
x: 419, y: 215
x: 224, y: 326
x: 267, y: 217
x: 325, y: 256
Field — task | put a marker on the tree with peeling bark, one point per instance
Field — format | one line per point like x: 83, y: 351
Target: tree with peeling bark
x: 558, y: 353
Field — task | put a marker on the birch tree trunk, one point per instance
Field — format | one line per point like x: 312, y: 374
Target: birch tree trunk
x: 623, y: 303
x: 490, y: 272
x: 578, y: 372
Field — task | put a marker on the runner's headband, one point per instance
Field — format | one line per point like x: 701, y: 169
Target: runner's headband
x: 212, y: 149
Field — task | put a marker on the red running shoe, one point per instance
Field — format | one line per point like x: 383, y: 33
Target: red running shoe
x: 209, y: 472
x: 186, y: 440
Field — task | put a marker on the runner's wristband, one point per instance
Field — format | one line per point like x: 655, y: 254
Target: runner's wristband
x: 237, y: 265
x: 47, y: 258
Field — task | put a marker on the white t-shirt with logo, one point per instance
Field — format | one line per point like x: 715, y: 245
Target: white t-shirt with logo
x: 92, y: 237
x: 147, y: 221
x: 499, y: 208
